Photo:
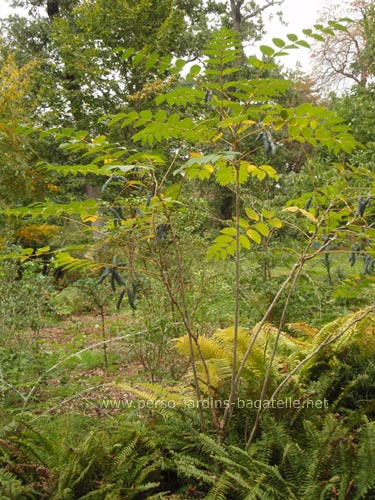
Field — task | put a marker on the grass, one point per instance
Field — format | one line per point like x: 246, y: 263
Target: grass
x: 150, y: 357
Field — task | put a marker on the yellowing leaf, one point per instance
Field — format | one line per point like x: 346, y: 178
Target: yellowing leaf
x: 267, y: 213
x: 262, y: 228
x: 91, y: 218
x: 252, y: 214
x: 254, y: 235
x: 208, y: 167
x: 308, y: 215
x: 224, y: 239
x: 246, y: 125
x: 275, y: 223
x: 231, y: 231
x: 302, y: 211
x: 291, y: 209
x: 244, y: 242
x: 252, y: 169
x: 217, y: 137
x: 243, y: 223
x: 42, y: 250
x: 270, y: 171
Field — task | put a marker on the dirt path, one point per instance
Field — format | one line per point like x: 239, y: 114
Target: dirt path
x: 81, y: 383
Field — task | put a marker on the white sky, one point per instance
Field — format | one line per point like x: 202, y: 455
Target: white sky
x: 299, y: 14
x: 5, y: 10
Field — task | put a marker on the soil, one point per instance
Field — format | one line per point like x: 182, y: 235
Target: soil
x: 90, y: 386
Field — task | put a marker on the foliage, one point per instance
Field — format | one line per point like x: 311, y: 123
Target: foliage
x: 132, y: 167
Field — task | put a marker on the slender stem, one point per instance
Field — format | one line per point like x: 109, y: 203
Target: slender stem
x: 184, y: 312
x: 281, y: 324
x: 230, y: 407
x: 273, y: 354
x: 2, y: 381
x: 10, y: 386
x: 104, y: 337
x: 236, y: 285
x: 170, y: 167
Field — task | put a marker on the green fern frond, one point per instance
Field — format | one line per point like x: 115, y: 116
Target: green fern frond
x: 11, y: 488
x: 210, y: 446
x: 189, y: 468
x: 146, y: 487
x: 125, y: 452
x: 232, y: 464
x: 220, y: 489
x: 107, y: 491
x: 364, y: 477
x: 8, y: 429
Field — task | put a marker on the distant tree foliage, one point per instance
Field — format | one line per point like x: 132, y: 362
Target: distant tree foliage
x: 348, y: 57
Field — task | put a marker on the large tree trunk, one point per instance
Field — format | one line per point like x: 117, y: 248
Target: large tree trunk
x: 53, y: 8
x: 236, y: 14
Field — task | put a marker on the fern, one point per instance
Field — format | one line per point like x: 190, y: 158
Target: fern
x: 210, y: 446
x: 11, y: 488
x: 220, y: 490
x: 125, y: 453
x: 192, y: 468
x: 364, y: 477
x: 217, y: 351
x: 252, y: 476
x: 79, y: 463
x: 361, y: 330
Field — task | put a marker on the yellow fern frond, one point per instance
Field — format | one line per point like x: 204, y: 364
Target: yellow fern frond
x: 356, y: 331
x: 208, y: 347
x: 155, y: 395
x: 302, y: 328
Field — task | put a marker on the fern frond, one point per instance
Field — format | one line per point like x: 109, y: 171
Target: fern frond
x: 209, y: 348
x: 210, y: 446
x: 107, y: 491
x: 125, y: 452
x: 302, y: 328
x: 10, y: 428
x: 364, y: 477
x: 224, y: 338
x: 354, y: 331
x: 11, y: 487
x: 220, y: 489
x: 158, y: 394
x: 189, y: 468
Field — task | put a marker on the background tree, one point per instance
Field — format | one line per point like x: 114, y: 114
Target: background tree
x: 19, y: 179
x: 348, y: 57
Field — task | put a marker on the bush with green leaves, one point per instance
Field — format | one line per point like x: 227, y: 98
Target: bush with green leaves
x: 25, y: 300
x: 25, y: 308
